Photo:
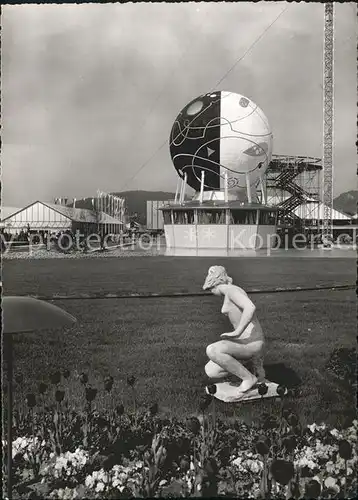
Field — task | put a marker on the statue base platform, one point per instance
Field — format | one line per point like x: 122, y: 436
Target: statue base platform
x: 228, y: 392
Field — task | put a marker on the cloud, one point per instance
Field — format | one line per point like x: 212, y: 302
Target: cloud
x: 90, y: 92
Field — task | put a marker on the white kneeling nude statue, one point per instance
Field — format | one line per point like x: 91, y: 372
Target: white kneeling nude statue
x: 245, y: 343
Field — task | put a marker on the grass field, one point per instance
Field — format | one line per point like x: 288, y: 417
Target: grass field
x: 161, y: 341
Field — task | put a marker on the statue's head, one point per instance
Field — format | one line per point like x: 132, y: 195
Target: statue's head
x: 217, y: 275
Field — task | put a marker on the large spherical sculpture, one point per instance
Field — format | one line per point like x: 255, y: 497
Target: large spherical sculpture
x: 221, y: 132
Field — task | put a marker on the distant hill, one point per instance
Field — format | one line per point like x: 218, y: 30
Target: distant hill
x: 347, y: 202
x: 136, y: 201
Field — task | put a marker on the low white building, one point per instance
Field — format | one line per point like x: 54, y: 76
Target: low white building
x: 50, y: 217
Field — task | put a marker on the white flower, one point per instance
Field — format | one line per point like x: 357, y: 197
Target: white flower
x: 329, y: 482
x: 99, y: 487
x: 89, y: 482
x: 330, y: 467
x: 255, y: 468
x: 335, y: 433
x: 192, y: 467
x: 312, y: 428
x: 163, y: 482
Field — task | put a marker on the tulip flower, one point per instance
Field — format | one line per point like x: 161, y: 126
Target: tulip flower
x: 108, y: 383
x: 55, y: 378
x: 83, y: 378
x: 290, y: 443
x: 263, y: 446
x: 262, y: 389
x: 205, y: 403
x: 312, y: 489
x: 282, y: 471
x: 345, y: 449
x: 31, y: 400
x: 59, y: 395
x: 270, y: 423
x: 42, y: 388
x: 119, y: 409
x: 153, y: 409
x: 91, y: 394
x: 193, y: 425
x: 292, y: 420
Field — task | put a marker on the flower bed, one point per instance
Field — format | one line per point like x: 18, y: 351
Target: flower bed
x: 116, y: 453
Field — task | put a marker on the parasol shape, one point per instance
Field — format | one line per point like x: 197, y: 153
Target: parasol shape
x: 26, y: 314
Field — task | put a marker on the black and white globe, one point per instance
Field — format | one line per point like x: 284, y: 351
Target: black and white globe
x: 221, y: 132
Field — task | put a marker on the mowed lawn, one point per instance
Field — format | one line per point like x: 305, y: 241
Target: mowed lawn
x: 161, y: 341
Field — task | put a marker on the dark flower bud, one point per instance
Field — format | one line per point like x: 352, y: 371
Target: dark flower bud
x: 210, y: 467
x: 55, y: 378
x: 313, y: 489
x: 19, y: 379
x: 263, y: 446
x: 42, y: 388
x: 31, y: 400
x: 281, y: 390
x: 211, y: 389
x: 225, y: 454
x: 282, y: 471
x: 306, y: 472
x: 131, y: 381
x: 108, y: 383
x: 108, y: 463
x: 153, y: 409
x: 59, y: 395
x: 345, y: 449
x: 205, y: 403
x: 262, y: 389
x: 91, y: 394
x: 292, y: 420
x: 102, y: 422
x: 119, y: 409
x: 289, y: 443
x: 270, y: 423
x: 66, y: 374
x: 193, y: 425
x: 83, y: 378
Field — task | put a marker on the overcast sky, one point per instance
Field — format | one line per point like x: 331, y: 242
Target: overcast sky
x: 90, y: 92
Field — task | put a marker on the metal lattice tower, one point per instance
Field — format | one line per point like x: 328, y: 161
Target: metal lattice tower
x: 328, y: 61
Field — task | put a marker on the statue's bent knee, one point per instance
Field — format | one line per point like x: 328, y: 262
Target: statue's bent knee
x: 211, y: 351
x: 212, y: 370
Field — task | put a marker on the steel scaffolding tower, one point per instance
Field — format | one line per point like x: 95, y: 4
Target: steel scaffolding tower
x: 328, y: 62
x: 291, y: 181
